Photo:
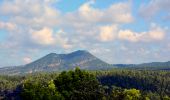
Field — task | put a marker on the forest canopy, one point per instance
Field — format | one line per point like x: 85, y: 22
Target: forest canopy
x: 79, y: 84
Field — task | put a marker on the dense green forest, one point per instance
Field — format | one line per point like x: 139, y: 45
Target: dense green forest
x: 116, y: 84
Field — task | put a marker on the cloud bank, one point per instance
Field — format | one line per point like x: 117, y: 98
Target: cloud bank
x: 34, y: 26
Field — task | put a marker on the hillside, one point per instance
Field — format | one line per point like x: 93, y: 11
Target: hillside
x: 149, y: 66
x: 59, y: 62
x: 80, y: 58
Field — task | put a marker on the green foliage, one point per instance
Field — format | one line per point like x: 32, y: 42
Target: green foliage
x: 72, y: 85
x: 39, y: 91
x: 78, y: 85
x: 154, y: 81
x: 117, y: 94
x: 127, y: 94
x: 9, y: 82
x: 166, y: 98
x: 84, y: 85
x: 131, y: 94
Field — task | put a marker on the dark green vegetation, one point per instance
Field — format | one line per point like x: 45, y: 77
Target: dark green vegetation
x: 88, y: 85
x: 154, y: 82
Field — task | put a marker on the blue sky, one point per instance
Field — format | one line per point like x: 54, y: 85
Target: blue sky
x: 117, y: 31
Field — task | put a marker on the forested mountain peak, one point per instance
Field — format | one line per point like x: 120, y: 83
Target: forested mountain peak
x: 59, y: 62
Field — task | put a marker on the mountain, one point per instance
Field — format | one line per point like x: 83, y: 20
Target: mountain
x: 152, y: 66
x: 59, y: 62
x: 80, y: 58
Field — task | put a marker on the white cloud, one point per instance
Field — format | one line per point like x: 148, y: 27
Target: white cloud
x: 34, y: 25
x: 27, y: 60
x: 20, y: 7
x: 43, y: 36
x: 35, y: 14
x: 47, y: 37
x: 128, y: 35
x: 62, y: 39
x: 95, y: 23
x: 120, y: 13
x: 41, y: 18
x: 154, y: 7
x: 107, y: 33
x: 155, y: 33
x: 88, y: 15
x: 7, y: 26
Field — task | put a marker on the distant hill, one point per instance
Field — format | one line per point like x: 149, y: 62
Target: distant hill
x: 59, y: 62
x: 149, y: 66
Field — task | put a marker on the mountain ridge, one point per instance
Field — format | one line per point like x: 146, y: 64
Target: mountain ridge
x: 81, y: 58
x: 60, y: 62
x: 149, y: 65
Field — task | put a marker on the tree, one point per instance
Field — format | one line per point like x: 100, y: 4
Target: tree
x: 78, y: 85
x: 40, y: 91
x: 127, y: 94
x: 131, y: 94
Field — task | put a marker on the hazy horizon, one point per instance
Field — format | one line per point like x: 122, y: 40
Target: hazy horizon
x: 115, y: 31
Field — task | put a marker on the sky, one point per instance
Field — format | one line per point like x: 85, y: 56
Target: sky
x: 116, y: 31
